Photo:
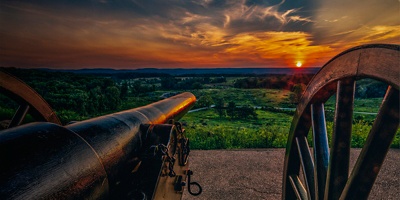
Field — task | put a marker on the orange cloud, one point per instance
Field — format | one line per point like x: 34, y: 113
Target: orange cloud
x: 285, y: 48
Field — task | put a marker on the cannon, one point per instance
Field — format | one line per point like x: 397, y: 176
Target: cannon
x: 140, y: 153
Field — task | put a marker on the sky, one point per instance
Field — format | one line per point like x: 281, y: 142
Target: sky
x: 131, y: 34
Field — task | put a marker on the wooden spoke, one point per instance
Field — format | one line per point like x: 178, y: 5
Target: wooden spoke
x: 307, y: 165
x: 298, y: 187
x: 321, y: 148
x: 338, y: 170
x: 19, y: 115
x: 375, y: 149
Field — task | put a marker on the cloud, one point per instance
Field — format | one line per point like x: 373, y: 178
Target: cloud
x: 286, y: 48
x: 207, y: 33
x: 262, y: 14
x: 133, y: 33
x: 344, y: 23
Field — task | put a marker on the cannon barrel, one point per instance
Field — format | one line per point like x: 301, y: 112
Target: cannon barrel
x: 87, y: 159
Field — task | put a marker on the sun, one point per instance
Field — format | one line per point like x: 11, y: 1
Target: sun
x: 299, y: 64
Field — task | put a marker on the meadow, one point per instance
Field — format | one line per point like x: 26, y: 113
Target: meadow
x: 207, y: 130
x: 236, y: 117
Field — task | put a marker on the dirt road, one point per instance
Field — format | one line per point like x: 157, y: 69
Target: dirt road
x: 257, y: 174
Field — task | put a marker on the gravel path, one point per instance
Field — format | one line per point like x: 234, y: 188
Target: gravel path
x: 257, y: 174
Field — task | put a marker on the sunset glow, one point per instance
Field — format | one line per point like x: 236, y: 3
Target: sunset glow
x: 189, y: 34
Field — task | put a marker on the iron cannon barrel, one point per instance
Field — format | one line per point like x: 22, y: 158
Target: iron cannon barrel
x: 86, y: 159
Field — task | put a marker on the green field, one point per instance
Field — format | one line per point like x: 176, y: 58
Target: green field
x: 239, y: 118
x: 251, y: 97
x: 207, y: 130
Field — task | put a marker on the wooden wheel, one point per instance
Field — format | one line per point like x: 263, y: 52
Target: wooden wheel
x: 326, y: 174
x: 29, y: 101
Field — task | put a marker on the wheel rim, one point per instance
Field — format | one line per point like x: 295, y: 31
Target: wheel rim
x: 326, y: 173
x: 28, y: 99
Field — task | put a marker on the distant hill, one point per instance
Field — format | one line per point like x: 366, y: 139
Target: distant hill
x: 198, y: 71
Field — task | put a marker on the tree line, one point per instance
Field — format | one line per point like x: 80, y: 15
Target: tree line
x: 73, y: 94
x: 273, y: 81
x: 174, y: 83
x: 226, y: 109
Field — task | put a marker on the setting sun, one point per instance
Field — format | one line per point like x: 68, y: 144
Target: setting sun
x: 299, y: 64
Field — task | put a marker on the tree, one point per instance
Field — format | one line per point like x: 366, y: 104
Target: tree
x: 79, y: 99
x: 205, y: 101
x: 197, y: 85
x: 168, y: 83
x: 136, y: 88
x: 220, y: 107
x: 124, y: 90
x: 298, y: 90
x: 246, y: 112
x: 231, y: 110
x: 112, y: 100
x: 95, y: 102
x: 107, y: 83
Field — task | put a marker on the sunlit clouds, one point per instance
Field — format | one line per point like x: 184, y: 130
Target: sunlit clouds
x: 343, y: 24
x: 284, y: 48
x: 192, y: 34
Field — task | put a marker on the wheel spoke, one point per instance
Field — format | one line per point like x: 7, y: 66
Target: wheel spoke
x: 338, y: 170
x: 375, y: 149
x: 321, y: 148
x: 19, y: 115
x: 298, y: 188
x: 307, y: 164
